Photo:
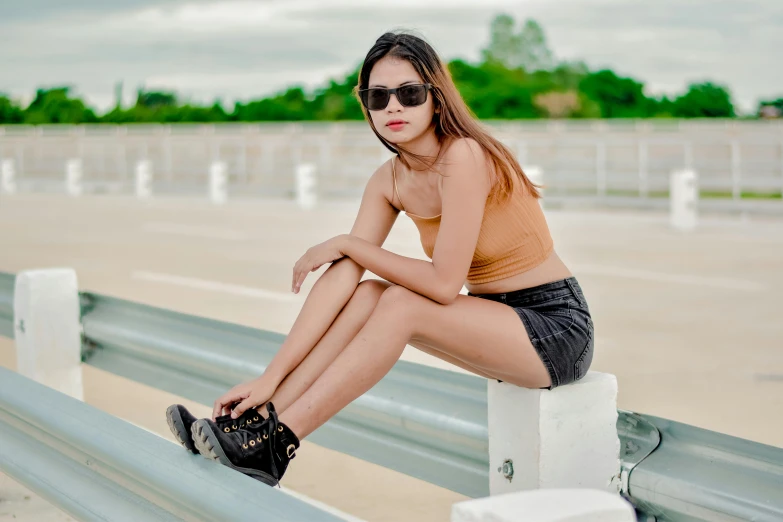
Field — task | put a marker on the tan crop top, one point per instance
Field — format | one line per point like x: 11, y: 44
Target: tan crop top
x: 514, y: 236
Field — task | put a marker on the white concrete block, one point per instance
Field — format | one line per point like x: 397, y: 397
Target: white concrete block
x: 306, y: 195
x: 144, y: 179
x: 218, y: 178
x: 73, y: 177
x: 7, y: 177
x: 561, y: 438
x: 683, y: 199
x: 48, y: 329
x: 550, y: 505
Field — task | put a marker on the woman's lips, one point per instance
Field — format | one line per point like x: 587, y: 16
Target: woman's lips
x: 396, y: 125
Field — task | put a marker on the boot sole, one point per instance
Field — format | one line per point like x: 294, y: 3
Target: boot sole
x: 177, y: 427
x: 208, y: 445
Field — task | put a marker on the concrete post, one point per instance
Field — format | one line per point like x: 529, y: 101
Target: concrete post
x: 561, y: 438
x: 552, y: 505
x: 7, y: 177
x: 217, y: 182
x: 306, y: 195
x: 683, y: 199
x: 643, y: 169
x: 600, y: 168
x: 144, y: 179
x: 73, y: 177
x: 736, y: 171
x: 47, y: 327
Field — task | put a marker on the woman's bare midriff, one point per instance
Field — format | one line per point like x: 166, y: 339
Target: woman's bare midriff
x: 552, y: 269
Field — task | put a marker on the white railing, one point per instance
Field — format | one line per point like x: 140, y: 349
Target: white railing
x: 601, y: 158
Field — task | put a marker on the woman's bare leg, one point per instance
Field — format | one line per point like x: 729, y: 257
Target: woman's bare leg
x: 346, y: 325
x: 344, y: 328
x: 482, y: 333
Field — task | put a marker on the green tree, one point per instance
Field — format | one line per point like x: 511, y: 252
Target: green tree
x: 503, y: 44
x: 155, y: 99
x: 704, y: 100
x: 493, y: 91
x: 163, y: 107
x: 194, y: 113
x: 290, y: 105
x: 56, y: 106
x: 517, y: 78
x: 337, y: 101
x: 534, y: 51
x: 616, y: 96
x: 568, y: 75
x: 527, y: 49
x: 9, y: 111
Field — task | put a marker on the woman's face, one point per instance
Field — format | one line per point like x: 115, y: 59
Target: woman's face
x: 396, y: 123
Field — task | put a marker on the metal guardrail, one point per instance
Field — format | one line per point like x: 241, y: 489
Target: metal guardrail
x: 421, y: 421
x: 697, y: 474
x: 431, y: 423
x: 97, y: 467
x: 7, y: 305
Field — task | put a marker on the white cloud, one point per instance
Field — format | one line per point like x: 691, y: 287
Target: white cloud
x: 209, y: 18
x: 238, y: 49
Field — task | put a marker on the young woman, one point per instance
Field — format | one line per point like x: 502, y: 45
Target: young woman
x: 525, y: 320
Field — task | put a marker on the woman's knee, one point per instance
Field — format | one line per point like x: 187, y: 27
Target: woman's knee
x: 398, y: 302
x: 370, y: 291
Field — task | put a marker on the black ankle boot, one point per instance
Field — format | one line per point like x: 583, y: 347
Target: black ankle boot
x: 181, y: 421
x: 261, y: 449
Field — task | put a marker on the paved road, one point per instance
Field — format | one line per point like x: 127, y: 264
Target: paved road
x: 689, y: 322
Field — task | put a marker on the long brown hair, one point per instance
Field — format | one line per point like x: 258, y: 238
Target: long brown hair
x: 453, y: 119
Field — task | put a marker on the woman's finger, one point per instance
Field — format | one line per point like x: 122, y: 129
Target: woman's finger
x: 217, y: 408
x: 243, y: 406
x: 293, y: 278
x: 298, y: 273
x: 302, y: 277
x: 222, y: 403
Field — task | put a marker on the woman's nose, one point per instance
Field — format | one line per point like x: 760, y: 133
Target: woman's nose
x: 394, y: 104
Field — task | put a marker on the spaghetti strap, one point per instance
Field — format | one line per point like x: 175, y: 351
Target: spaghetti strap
x: 394, y: 177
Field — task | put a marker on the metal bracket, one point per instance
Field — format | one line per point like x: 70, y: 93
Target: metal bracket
x: 638, y: 439
x: 507, y: 469
x: 86, y: 305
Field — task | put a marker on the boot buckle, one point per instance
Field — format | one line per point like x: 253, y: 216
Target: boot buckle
x: 290, y: 450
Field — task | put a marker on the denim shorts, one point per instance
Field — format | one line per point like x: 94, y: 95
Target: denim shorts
x: 558, y: 324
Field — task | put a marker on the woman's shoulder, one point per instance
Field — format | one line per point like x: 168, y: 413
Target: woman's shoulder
x: 464, y: 148
x: 465, y: 157
x: 381, y: 181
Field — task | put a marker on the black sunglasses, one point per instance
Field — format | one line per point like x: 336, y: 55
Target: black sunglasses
x: 377, y: 98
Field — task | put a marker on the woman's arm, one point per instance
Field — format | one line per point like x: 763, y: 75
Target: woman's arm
x: 466, y: 186
x: 336, y: 286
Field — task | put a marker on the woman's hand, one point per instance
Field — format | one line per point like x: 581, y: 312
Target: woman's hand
x: 317, y: 256
x: 250, y: 394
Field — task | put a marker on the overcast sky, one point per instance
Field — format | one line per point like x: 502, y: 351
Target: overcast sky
x: 237, y: 50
